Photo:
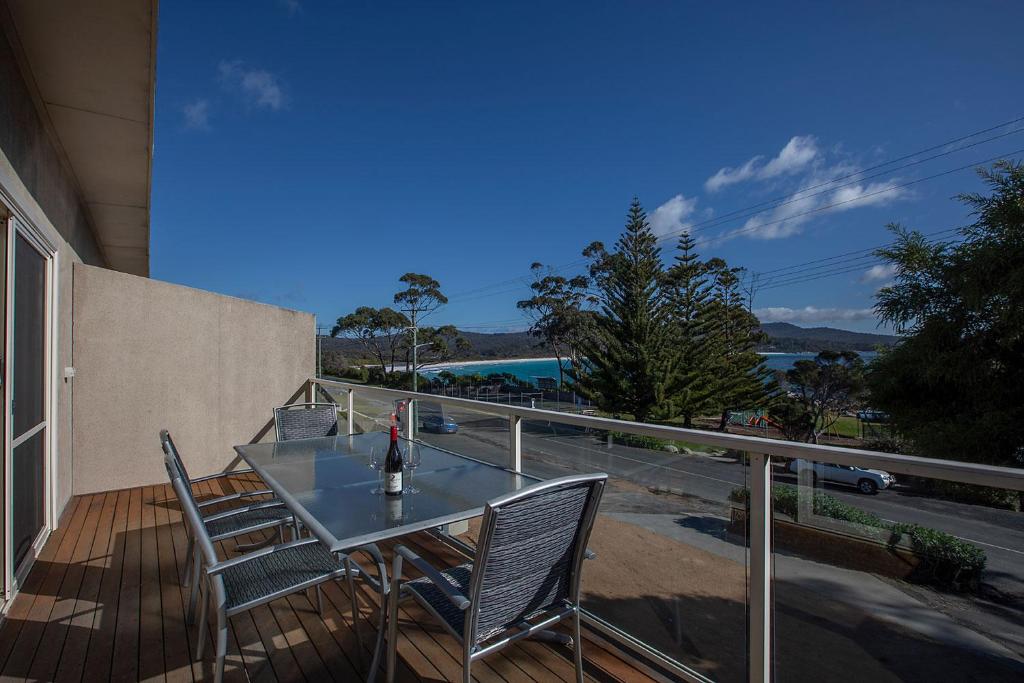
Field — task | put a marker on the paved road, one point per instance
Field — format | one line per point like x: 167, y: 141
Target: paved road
x: 550, y: 450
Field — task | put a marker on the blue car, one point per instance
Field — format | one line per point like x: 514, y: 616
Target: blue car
x: 439, y: 424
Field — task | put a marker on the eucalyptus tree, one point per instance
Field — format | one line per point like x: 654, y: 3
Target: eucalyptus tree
x: 826, y: 387
x: 380, y: 331
x: 560, y: 309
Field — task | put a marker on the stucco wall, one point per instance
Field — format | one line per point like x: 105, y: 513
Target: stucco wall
x: 150, y: 355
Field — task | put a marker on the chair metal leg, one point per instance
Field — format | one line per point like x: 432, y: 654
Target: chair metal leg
x: 382, y: 619
x: 319, y: 601
x: 578, y: 650
x: 467, y: 677
x: 354, y: 597
x: 186, y: 578
x: 201, y: 627
x: 392, y: 641
x: 222, y: 643
x: 196, y: 581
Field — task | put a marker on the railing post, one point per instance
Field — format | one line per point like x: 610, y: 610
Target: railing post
x: 351, y: 412
x: 760, y: 568
x: 515, y: 443
x: 411, y: 420
x: 310, y: 392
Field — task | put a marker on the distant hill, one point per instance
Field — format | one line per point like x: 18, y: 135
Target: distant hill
x: 783, y: 337
x: 786, y: 337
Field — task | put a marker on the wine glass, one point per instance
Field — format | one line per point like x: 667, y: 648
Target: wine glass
x: 411, y: 460
x: 377, y: 464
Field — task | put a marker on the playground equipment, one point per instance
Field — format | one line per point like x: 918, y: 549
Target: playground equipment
x: 763, y: 421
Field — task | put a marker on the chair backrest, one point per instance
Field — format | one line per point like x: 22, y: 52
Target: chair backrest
x: 530, y: 552
x: 190, y: 512
x: 171, y: 454
x: 175, y: 467
x: 306, y: 421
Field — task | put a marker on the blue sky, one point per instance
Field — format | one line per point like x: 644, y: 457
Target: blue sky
x: 310, y: 153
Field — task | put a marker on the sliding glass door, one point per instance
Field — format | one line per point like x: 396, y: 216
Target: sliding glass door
x: 28, y: 397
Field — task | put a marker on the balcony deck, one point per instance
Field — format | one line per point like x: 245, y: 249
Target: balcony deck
x: 103, y: 602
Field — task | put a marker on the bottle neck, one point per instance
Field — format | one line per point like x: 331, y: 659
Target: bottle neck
x: 394, y: 434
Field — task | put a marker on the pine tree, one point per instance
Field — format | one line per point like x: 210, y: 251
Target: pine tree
x: 627, y: 365
x: 692, y: 384
x: 742, y: 380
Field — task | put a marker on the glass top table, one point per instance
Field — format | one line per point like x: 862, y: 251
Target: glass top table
x: 329, y: 485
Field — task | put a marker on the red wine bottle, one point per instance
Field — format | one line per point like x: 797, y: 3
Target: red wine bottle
x: 393, y: 467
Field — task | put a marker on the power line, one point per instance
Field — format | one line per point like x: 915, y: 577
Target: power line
x: 819, y: 209
x: 838, y: 259
x: 785, y: 199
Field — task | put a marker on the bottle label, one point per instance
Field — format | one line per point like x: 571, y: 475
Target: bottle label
x: 393, y: 482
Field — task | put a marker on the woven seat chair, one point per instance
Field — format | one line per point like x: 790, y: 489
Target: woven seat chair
x: 306, y: 421
x: 254, y: 515
x: 524, y: 579
x: 241, y: 583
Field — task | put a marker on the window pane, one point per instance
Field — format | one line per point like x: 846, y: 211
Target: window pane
x: 29, y: 337
x: 27, y: 508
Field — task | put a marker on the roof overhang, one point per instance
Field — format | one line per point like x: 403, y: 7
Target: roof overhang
x: 91, y: 65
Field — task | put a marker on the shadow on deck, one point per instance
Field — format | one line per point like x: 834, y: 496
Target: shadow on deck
x: 103, y: 602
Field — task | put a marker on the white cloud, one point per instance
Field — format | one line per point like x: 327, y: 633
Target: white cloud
x: 260, y: 88
x: 197, y: 115
x: 671, y: 216
x: 866, y: 195
x: 882, y: 271
x: 811, y: 314
x: 800, y: 151
x: 728, y: 175
x: 789, y: 216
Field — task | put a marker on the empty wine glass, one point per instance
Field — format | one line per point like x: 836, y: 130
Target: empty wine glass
x: 377, y: 464
x: 411, y: 459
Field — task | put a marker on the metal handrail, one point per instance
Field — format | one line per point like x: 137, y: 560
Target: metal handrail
x: 932, y: 468
x: 759, y: 450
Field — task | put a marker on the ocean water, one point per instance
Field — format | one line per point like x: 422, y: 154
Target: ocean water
x: 531, y: 369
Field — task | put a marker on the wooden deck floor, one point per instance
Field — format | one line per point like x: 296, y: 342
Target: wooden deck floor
x: 103, y: 602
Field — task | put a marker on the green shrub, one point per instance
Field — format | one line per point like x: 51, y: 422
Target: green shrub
x: 355, y: 372
x: 945, y: 559
x: 638, y: 441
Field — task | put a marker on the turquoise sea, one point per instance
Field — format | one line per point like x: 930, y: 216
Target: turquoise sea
x: 531, y: 369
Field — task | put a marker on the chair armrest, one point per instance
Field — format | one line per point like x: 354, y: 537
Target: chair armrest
x: 221, y: 474
x: 428, y: 570
x: 220, y: 567
x: 233, y: 496
x: 245, y: 508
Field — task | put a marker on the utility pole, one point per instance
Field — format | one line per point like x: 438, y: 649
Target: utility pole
x: 319, y: 350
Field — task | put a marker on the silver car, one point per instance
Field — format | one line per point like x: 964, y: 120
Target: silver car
x: 866, y: 481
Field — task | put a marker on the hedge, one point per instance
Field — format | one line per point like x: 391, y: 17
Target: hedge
x: 946, y: 561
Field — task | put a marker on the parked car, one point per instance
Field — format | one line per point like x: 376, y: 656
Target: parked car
x: 866, y: 481
x: 439, y: 424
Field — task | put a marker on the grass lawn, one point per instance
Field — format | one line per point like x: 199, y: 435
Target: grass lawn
x: 847, y: 426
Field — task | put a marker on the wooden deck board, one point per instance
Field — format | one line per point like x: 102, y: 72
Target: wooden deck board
x: 104, y: 602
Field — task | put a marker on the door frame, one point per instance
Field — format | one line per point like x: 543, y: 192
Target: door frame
x: 19, y: 225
